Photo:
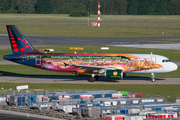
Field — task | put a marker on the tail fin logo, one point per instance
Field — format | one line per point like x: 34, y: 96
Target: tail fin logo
x: 14, y: 44
x: 18, y: 42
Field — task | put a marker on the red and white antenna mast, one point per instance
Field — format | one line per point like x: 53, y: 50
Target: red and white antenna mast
x: 99, y: 14
x: 88, y: 16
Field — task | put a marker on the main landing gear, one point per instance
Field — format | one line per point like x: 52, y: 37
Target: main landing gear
x: 152, y: 76
x: 124, y: 74
x: 92, y: 79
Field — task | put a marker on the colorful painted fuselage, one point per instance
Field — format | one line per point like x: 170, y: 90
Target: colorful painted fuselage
x: 126, y: 62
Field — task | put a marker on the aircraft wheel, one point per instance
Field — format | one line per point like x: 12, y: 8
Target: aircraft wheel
x: 77, y: 73
x: 92, y: 79
x: 97, y: 77
x: 124, y: 74
x: 153, y: 80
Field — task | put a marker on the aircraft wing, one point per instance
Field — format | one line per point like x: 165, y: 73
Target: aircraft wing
x: 87, y: 67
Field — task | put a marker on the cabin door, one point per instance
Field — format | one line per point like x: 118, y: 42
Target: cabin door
x: 153, y: 61
x: 38, y: 60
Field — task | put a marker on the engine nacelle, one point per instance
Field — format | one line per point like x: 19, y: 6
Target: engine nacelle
x: 114, y: 74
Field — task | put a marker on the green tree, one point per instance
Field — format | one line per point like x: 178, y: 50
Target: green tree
x: 144, y: 7
x: 13, y: 4
x: 103, y: 8
x: 174, y: 7
x: 162, y: 7
x: 43, y: 7
x: 4, y: 5
x: 132, y: 7
x: 121, y: 6
x: 153, y: 6
x: 68, y: 8
x: 26, y: 6
x: 78, y: 13
x: 56, y: 5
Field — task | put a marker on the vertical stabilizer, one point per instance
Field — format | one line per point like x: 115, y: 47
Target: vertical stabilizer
x: 19, y: 44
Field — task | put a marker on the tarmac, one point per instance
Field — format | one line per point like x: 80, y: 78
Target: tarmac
x: 84, y: 80
x: 144, y: 41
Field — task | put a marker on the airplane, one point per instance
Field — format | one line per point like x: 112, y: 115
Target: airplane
x: 111, y: 66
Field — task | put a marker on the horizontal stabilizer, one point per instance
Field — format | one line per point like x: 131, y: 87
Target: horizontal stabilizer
x: 16, y: 58
x: 12, y: 57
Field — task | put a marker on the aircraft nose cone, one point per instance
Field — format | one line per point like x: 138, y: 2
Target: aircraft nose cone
x: 173, y: 67
x: 176, y: 67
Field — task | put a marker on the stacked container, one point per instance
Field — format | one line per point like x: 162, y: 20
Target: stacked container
x: 31, y: 99
x: 3, y: 100
x: 93, y: 112
x: 115, y: 117
x: 17, y: 100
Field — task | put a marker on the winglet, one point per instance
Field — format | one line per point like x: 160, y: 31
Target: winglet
x: 65, y: 64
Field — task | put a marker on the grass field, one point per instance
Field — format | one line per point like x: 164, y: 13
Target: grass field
x: 170, y: 40
x: 154, y: 26
x: 162, y: 90
x: 106, y: 29
x: 65, y: 17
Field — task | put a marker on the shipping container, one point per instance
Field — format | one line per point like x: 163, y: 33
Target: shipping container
x: 93, y: 112
x: 53, y: 98
x: 45, y: 99
x: 31, y: 99
x: 43, y: 106
x: 145, y: 112
x: 39, y: 98
x: 3, y: 101
x: 155, y: 115
x: 97, y: 95
x: 75, y: 96
x: 117, y: 95
x: 17, y: 100
x: 162, y: 115
x: 77, y: 111
x: 64, y: 96
x: 85, y: 96
x: 124, y: 93
x: 135, y: 95
x: 108, y: 95
x: 67, y: 108
x: 133, y: 118
x: 115, y: 117
x: 147, y: 100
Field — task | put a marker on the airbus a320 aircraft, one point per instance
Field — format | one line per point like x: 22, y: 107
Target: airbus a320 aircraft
x: 111, y: 66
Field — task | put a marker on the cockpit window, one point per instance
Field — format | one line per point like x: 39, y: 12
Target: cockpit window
x: 167, y: 60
